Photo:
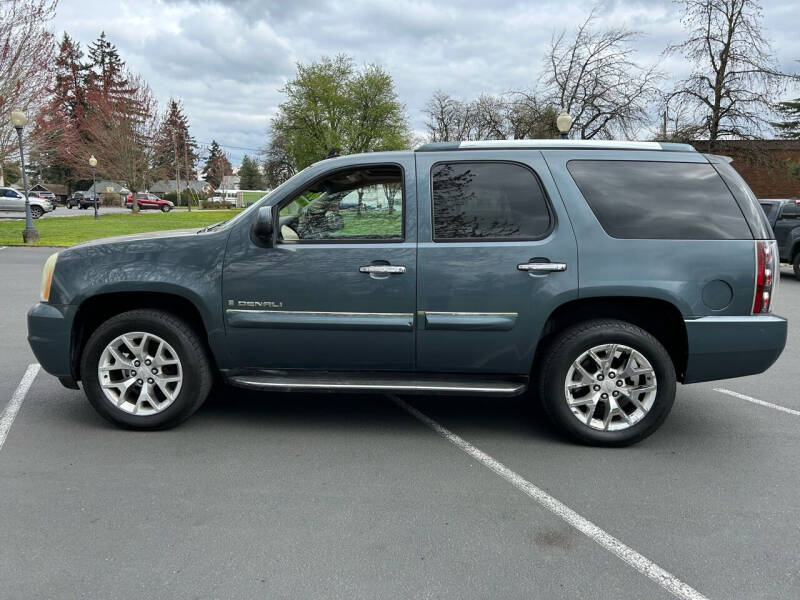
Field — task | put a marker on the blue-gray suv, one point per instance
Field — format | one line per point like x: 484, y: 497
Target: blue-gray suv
x: 594, y: 275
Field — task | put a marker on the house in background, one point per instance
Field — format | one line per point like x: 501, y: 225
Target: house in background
x: 166, y: 186
x: 763, y: 164
x: 60, y: 190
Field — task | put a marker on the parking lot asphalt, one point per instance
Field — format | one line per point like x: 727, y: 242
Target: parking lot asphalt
x: 350, y: 496
x: 63, y: 211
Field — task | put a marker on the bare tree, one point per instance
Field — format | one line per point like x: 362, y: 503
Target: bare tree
x: 735, y: 78
x: 26, y: 51
x: 515, y: 115
x: 593, y: 76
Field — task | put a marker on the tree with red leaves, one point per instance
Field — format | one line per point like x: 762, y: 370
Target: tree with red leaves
x: 26, y: 51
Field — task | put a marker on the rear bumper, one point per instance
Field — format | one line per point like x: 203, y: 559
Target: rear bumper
x: 723, y: 347
x: 50, y: 338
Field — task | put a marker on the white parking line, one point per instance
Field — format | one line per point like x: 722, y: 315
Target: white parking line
x: 642, y: 564
x: 10, y: 412
x: 3, y: 247
x: 790, y: 411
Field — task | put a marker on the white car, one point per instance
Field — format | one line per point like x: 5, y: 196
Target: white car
x: 12, y: 200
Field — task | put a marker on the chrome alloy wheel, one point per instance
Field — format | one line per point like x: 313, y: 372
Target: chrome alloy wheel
x: 610, y: 387
x: 140, y: 373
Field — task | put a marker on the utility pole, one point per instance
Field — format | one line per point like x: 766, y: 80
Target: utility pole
x: 177, y: 172
x: 186, y: 166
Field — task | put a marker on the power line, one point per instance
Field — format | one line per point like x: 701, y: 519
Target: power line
x: 207, y: 144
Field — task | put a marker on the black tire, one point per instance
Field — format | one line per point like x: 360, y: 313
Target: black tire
x: 36, y: 211
x: 69, y: 206
x: 166, y: 208
x: 796, y: 265
x: 190, y: 348
x: 573, y: 342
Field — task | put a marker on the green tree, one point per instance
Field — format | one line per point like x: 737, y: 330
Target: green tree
x: 11, y: 172
x: 250, y: 177
x: 332, y: 105
x: 176, y: 149
x: 216, y: 166
x: 790, y: 128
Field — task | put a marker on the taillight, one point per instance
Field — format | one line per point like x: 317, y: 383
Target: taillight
x: 767, y: 275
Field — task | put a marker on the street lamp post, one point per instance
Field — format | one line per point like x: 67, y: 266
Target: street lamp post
x: 30, y: 234
x: 564, y: 123
x: 93, y: 164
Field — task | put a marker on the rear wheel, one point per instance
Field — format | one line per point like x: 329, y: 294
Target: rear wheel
x: 607, y: 383
x: 796, y: 265
x: 36, y: 211
x: 146, y: 369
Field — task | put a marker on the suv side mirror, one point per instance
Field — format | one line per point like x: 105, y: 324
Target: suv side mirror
x: 263, y: 227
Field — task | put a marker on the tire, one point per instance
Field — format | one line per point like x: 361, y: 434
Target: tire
x: 166, y: 208
x: 180, y: 338
x: 796, y: 265
x: 69, y: 206
x: 560, y: 363
x: 36, y: 211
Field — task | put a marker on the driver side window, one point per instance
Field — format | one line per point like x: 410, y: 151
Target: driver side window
x: 364, y: 203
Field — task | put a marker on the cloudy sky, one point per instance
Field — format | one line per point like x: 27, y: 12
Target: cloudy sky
x: 227, y: 59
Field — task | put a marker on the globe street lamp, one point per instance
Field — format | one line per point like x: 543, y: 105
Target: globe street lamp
x: 564, y: 123
x: 30, y: 234
x: 93, y: 164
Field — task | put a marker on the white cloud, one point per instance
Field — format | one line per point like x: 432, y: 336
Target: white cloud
x: 226, y: 59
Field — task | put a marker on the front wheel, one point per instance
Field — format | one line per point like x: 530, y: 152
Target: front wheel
x: 166, y: 208
x: 146, y: 369
x: 607, y: 383
x: 36, y: 211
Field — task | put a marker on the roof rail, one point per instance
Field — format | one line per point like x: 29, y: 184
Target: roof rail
x: 553, y: 144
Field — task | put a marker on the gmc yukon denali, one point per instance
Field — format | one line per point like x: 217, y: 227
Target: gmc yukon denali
x: 585, y: 273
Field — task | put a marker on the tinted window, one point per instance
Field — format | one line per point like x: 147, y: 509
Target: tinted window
x: 487, y: 200
x: 353, y: 204
x: 659, y: 200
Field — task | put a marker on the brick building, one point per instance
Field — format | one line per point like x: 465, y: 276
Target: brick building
x: 762, y: 163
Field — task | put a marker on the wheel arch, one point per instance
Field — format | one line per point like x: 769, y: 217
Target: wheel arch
x: 658, y: 317
x: 96, y: 309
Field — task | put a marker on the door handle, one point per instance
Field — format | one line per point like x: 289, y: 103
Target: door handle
x: 542, y: 267
x: 383, y: 269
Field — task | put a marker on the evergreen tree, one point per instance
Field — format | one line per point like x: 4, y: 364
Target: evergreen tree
x: 217, y: 165
x: 250, y: 177
x: 790, y: 128
x: 176, y: 149
x: 107, y: 74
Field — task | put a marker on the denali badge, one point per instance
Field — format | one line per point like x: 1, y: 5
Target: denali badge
x: 254, y: 304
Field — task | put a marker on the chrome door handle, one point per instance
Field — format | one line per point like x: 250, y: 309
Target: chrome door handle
x: 542, y: 267
x: 383, y: 269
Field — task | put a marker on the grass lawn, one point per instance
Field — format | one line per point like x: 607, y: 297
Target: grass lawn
x: 66, y: 231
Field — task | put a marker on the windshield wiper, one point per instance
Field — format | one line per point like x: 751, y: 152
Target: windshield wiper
x: 210, y: 227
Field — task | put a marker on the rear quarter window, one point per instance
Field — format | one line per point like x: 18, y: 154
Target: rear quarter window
x: 659, y: 200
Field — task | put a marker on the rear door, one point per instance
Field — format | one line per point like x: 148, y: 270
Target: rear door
x: 496, y: 255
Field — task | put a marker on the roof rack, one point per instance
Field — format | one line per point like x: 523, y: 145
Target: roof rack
x: 553, y: 144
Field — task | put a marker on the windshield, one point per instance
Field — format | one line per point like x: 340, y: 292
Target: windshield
x: 260, y: 202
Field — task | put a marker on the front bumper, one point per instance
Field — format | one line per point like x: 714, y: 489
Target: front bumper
x: 723, y: 347
x: 50, y: 338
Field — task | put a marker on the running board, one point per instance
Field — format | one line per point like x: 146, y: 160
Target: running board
x: 379, y: 382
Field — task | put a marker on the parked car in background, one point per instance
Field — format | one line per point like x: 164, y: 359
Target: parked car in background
x: 45, y: 195
x: 12, y: 200
x: 784, y: 218
x: 585, y: 270
x: 83, y: 200
x: 148, y: 201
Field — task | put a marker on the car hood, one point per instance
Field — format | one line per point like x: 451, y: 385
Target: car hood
x: 139, y: 237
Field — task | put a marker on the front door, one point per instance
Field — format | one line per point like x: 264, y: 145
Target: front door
x: 496, y: 255
x: 337, y: 292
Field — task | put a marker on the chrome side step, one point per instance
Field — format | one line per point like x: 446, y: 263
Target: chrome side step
x: 379, y: 382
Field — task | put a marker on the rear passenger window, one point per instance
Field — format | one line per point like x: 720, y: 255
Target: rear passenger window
x: 659, y: 200
x: 489, y: 201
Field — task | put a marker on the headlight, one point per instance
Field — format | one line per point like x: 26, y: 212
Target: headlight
x: 47, y: 277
